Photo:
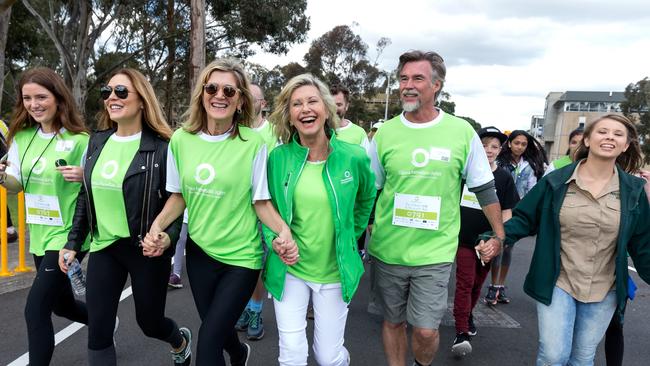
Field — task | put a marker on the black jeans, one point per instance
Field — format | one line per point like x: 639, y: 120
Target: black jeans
x: 220, y: 292
x: 50, y: 293
x: 107, y: 273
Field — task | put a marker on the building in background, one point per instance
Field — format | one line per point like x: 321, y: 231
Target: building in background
x: 537, y: 127
x: 566, y: 111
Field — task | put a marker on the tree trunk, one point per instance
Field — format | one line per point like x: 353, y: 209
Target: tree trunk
x: 5, y: 15
x: 197, y: 40
x: 171, y: 59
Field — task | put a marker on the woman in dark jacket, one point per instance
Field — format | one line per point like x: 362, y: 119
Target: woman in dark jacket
x: 586, y: 216
x: 123, y: 191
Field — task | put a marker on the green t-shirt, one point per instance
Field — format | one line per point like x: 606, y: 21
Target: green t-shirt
x: 39, y: 177
x: 106, y: 179
x: 420, y: 167
x: 313, y: 228
x: 219, y: 178
x: 266, y: 131
x: 353, y: 134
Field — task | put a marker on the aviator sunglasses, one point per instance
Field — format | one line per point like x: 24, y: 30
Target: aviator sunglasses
x: 228, y: 90
x: 121, y: 91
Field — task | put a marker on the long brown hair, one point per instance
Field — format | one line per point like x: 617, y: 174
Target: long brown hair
x: 67, y: 115
x: 631, y: 159
x: 152, y: 113
x: 196, y: 118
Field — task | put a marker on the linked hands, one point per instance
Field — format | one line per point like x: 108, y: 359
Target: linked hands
x: 488, y: 249
x: 155, y: 242
x: 286, y: 248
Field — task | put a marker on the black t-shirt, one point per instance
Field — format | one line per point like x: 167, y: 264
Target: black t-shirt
x: 473, y: 222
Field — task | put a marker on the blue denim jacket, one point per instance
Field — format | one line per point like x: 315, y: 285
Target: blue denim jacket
x: 523, y: 175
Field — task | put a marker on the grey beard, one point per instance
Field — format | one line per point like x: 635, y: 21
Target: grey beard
x: 411, y: 107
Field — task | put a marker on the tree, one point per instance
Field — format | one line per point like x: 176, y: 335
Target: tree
x: 472, y: 121
x: 636, y: 107
x: 197, y: 41
x: 5, y: 14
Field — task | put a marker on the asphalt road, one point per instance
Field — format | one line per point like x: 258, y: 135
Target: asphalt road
x: 507, y: 334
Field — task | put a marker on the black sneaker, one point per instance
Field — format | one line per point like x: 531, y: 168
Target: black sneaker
x: 184, y: 356
x: 244, y: 361
x: 462, y: 345
x: 491, y: 297
x: 472, y: 327
x: 501, y: 296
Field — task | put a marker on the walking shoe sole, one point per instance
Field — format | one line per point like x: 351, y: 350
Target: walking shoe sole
x: 461, y: 349
x: 174, y: 285
x: 255, y: 337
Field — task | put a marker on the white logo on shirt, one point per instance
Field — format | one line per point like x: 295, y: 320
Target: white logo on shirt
x: 38, y: 165
x: 201, y: 177
x: 109, y: 170
x: 348, y: 177
x: 420, y: 157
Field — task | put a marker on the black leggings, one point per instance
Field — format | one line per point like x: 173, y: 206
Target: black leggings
x: 220, y: 292
x: 107, y: 273
x: 614, y: 344
x: 50, y: 292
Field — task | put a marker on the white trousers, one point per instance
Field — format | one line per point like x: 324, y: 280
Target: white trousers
x: 330, y: 315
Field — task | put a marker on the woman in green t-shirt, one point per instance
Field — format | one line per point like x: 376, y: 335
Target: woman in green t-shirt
x: 46, y: 127
x: 217, y: 169
x: 123, y: 191
x: 324, y: 189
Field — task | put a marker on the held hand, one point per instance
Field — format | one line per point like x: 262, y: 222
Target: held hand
x: 488, y: 249
x: 155, y: 245
x: 63, y: 264
x: 291, y: 255
x: 71, y: 173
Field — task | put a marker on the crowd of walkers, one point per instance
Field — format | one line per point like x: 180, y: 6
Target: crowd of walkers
x: 282, y: 204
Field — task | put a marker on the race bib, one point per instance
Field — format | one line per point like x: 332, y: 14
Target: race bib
x: 468, y: 199
x: 43, y: 210
x: 420, y: 212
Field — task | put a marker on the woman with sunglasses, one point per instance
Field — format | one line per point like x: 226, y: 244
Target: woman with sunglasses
x: 123, y: 191
x: 217, y: 168
x: 325, y: 190
x: 46, y: 127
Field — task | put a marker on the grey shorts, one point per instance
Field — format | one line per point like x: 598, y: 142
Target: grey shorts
x: 416, y: 294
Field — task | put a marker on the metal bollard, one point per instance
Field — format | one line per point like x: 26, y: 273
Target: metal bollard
x: 4, y: 255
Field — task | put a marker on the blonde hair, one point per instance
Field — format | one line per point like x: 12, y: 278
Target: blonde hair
x: 281, y: 118
x: 152, y: 113
x: 196, y: 118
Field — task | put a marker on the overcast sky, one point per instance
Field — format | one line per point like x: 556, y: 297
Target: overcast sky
x: 503, y: 56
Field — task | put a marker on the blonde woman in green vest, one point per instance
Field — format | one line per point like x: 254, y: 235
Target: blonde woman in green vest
x: 46, y: 127
x: 324, y: 190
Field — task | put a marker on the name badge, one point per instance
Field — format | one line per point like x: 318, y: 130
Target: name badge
x: 420, y: 212
x: 440, y: 154
x: 64, y: 145
x: 43, y: 210
x: 468, y: 199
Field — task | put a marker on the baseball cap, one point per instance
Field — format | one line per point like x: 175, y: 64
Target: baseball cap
x: 492, y: 131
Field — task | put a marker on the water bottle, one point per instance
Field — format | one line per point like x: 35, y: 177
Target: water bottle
x: 76, y: 276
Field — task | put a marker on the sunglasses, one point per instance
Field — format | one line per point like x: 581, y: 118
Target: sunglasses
x: 228, y: 90
x: 121, y: 91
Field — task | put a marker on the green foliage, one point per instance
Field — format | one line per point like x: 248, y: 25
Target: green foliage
x: 472, y: 121
x: 637, y: 108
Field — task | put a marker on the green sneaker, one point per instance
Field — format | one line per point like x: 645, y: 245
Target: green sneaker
x: 244, y: 319
x: 255, y: 330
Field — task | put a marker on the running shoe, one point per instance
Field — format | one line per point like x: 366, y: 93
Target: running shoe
x: 184, y: 356
x: 462, y: 345
x: 255, y: 330
x: 502, y: 298
x: 472, y: 327
x: 174, y: 281
x: 244, y: 361
x: 244, y: 319
x: 491, y: 297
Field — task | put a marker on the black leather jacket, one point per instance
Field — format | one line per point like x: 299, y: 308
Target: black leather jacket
x: 143, y: 189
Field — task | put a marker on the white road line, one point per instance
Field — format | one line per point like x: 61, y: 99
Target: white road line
x: 632, y: 268
x: 64, y: 333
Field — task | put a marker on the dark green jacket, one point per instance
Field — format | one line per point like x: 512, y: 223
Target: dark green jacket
x: 538, y: 214
x: 350, y: 186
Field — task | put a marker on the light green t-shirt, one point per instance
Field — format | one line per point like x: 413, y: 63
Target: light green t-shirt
x: 219, y: 178
x: 353, y: 134
x: 266, y: 131
x: 32, y: 155
x: 420, y: 167
x: 313, y: 228
x: 108, y: 198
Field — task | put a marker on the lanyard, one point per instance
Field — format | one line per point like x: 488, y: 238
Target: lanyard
x: 36, y: 161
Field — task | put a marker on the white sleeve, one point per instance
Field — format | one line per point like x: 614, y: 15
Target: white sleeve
x: 13, y: 168
x: 82, y: 163
x: 173, y: 178
x: 375, y: 164
x: 365, y: 144
x: 551, y: 167
x: 259, y: 183
x: 532, y: 180
x: 477, y: 170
